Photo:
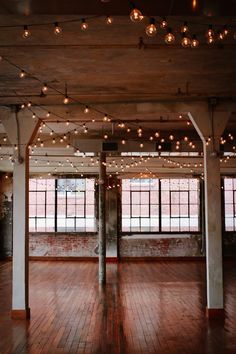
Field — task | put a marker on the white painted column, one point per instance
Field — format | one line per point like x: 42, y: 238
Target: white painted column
x: 20, y: 128
x: 213, y: 219
x: 20, y: 300
x: 213, y: 126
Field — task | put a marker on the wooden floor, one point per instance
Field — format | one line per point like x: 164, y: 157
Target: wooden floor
x: 147, y: 307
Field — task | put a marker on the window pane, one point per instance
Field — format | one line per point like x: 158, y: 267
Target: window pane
x: 125, y: 197
x: 32, y: 210
x: 70, y: 210
x: 144, y: 198
x: 41, y: 210
x: 144, y: 211
x: 61, y: 210
x: 32, y: 197
x: 135, y: 197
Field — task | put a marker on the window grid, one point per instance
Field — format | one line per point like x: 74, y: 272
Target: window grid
x: 229, y: 204
x: 177, y: 208
x: 71, y: 209
x: 180, y: 205
x: 140, y: 205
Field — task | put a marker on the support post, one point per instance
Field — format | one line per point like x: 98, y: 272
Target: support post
x: 20, y: 273
x: 102, y: 219
x: 21, y: 130
x: 212, y: 125
x: 213, y: 217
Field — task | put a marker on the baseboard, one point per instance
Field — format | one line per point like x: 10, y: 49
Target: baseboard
x: 20, y: 314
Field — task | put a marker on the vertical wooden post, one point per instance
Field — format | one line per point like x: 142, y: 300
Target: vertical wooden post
x: 102, y: 219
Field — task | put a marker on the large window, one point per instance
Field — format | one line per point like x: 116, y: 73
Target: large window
x: 230, y: 203
x: 62, y: 205
x: 179, y: 209
x: 180, y: 204
x: 42, y: 204
x: 140, y: 205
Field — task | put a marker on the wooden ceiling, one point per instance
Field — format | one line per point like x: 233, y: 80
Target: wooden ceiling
x: 104, y: 66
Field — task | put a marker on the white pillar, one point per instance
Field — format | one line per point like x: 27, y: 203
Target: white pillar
x: 20, y: 129
x: 213, y: 126
x: 213, y: 219
x: 20, y: 301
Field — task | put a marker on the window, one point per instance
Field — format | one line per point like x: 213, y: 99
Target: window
x: 230, y: 203
x: 65, y: 205
x: 180, y: 205
x: 179, y: 209
x: 41, y: 204
x: 75, y: 205
x: 140, y: 205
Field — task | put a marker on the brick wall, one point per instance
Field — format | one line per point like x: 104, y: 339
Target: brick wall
x: 74, y: 245
x: 161, y: 246
x: 62, y: 245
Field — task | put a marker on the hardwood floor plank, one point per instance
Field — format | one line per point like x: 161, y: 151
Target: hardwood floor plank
x: 146, y: 307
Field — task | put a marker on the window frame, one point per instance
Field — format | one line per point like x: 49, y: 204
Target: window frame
x: 55, y: 218
x: 200, y: 216
x: 223, y: 204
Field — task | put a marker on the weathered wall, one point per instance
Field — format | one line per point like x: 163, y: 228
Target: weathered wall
x: 5, y: 216
x: 161, y: 246
x: 62, y: 245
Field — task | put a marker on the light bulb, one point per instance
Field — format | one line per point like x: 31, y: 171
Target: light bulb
x: 33, y: 115
x: 86, y: 109
x: 136, y: 15
x: 26, y: 32
x: 210, y: 32
x: 22, y: 74
x: 57, y: 28
x: 105, y: 118
x: 84, y: 25
x: 66, y: 99
x: 151, y: 29
x: 194, y: 42
x: 45, y: 88
x: 185, y: 42
x: 171, y: 137
x: 220, y: 36
x: 184, y: 28
x: 163, y: 23
x: 109, y: 20
x: 141, y: 145
x: 105, y: 136
x: 210, y: 40
x: 169, y: 37
x: 225, y: 30
x: 123, y: 142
